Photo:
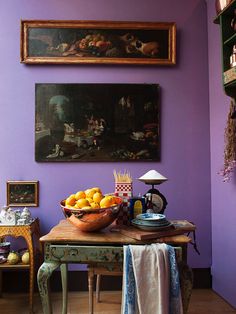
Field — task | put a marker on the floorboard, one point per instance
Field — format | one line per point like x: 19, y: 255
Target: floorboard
x: 203, y: 301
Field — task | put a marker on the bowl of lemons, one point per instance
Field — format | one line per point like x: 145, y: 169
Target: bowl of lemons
x: 90, y: 210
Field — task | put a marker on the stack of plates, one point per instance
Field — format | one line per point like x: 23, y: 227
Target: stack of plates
x: 151, y: 222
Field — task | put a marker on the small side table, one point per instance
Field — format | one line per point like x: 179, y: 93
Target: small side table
x: 27, y: 232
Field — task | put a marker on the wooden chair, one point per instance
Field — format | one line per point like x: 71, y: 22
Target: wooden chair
x: 99, y: 271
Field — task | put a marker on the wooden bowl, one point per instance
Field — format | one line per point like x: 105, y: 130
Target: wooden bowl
x: 92, y: 220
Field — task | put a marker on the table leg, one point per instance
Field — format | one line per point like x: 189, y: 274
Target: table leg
x: 29, y: 241
x: 98, y: 284
x: 186, y: 283
x: 90, y: 286
x: 64, y: 287
x: 44, y: 273
x: 0, y: 283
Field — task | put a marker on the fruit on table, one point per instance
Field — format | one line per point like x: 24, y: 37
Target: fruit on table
x: 80, y: 194
x: 89, y: 193
x: 71, y: 200
x: 25, y: 257
x: 90, y: 199
x: 107, y: 201
x: 82, y: 202
x: 97, y: 197
x: 13, y: 258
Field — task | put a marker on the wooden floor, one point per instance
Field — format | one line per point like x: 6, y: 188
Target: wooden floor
x: 202, y: 302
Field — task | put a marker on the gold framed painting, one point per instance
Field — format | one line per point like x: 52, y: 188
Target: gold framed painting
x: 22, y: 193
x: 98, y: 42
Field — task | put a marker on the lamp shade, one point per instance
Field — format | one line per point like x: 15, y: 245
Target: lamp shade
x: 152, y: 177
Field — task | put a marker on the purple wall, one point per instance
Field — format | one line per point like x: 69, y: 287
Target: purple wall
x: 185, y: 110
x: 223, y: 194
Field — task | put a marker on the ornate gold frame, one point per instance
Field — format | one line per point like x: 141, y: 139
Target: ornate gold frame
x: 34, y: 203
x: 160, y: 34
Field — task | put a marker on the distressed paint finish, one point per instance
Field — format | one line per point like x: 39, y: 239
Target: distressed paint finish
x: 85, y: 254
x: 64, y: 281
x: 44, y: 273
x: 65, y: 244
x: 106, y: 256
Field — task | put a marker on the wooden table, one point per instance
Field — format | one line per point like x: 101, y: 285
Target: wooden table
x: 65, y: 244
x: 27, y: 232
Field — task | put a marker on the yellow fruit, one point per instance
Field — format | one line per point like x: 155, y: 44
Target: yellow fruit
x: 97, y: 197
x: 107, y: 201
x: 97, y: 189
x: 90, y: 200
x: 71, y: 200
x: 79, y: 195
x: 25, y: 258
x: 82, y: 203
x: 95, y: 205
x: 89, y: 193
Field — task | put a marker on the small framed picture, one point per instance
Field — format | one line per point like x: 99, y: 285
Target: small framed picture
x: 23, y: 193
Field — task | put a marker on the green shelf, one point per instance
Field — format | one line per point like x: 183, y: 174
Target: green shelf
x: 228, y: 10
x: 228, y: 40
x: 231, y: 40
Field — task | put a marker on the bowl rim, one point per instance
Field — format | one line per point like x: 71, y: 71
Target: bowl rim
x: 91, y: 210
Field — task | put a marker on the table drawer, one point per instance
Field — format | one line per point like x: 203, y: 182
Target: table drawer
x: 84, y: 254
x: 90, y: 254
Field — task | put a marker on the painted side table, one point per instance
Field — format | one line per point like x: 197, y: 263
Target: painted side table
x: 65, y: 244
x: 28, y: 232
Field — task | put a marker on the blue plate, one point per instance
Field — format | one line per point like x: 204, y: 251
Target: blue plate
x: 152, y: 228
x: 150, y: 216
x: 151, y: 223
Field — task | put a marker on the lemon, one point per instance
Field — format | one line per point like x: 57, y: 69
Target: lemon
x: 107, y: 201
x: 82, y: 203
x: 89, y: 193
x: 97, y: 197
x: 97, y: 189
x: 95, y: 205
x: 79, y: 195
x: 71, y: 200
x: 90, y: 200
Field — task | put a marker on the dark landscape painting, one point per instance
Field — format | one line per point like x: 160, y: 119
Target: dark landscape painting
x: 97, y: 122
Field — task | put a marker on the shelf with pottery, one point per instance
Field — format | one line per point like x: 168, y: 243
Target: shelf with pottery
x: 226, y: 18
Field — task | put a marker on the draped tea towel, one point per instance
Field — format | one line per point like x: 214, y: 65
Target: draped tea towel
x: 150, y: 280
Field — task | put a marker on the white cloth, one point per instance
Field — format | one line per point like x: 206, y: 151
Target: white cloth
x: 146, y: 281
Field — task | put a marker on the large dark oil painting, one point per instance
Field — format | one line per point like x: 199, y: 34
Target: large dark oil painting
x: 97, y: 122
x: 98, y: 42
